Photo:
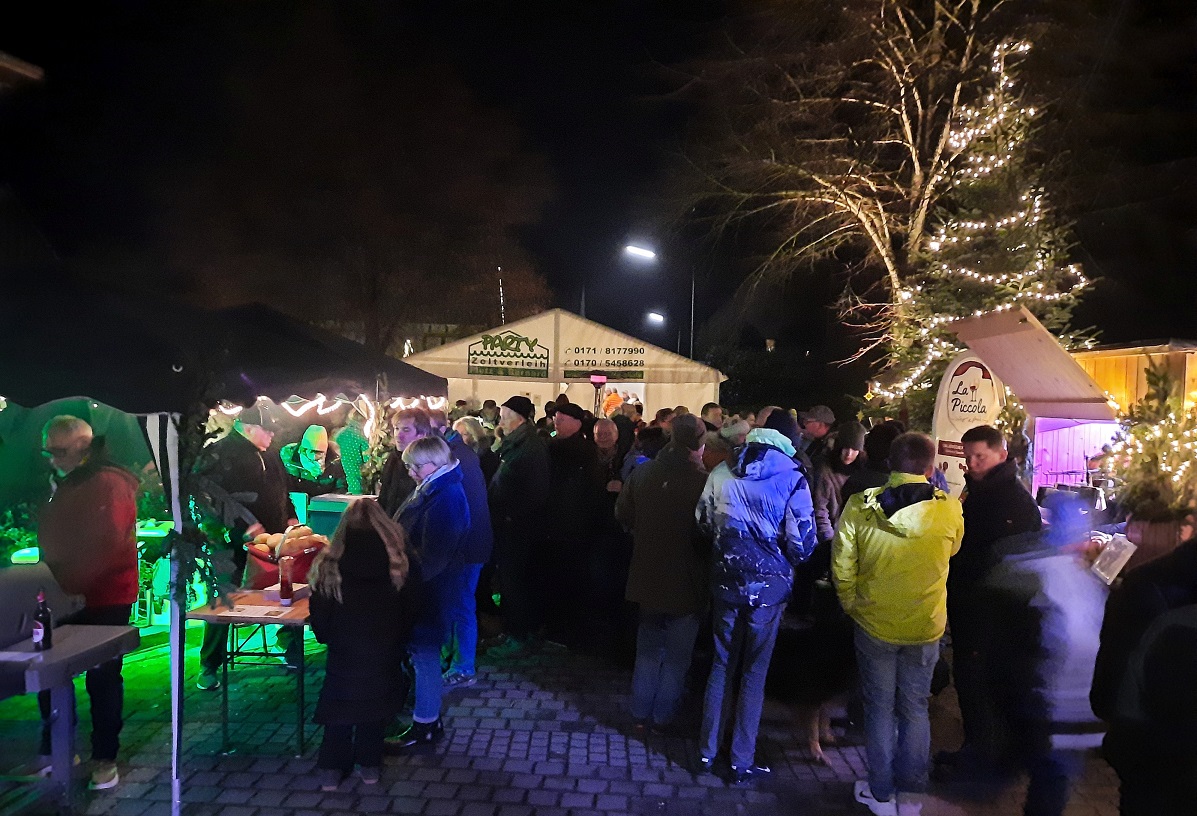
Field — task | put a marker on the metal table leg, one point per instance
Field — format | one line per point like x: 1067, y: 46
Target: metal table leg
x: 63, y: 741
x: 230, y: 650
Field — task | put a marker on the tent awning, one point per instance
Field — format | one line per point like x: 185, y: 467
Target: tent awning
x: 1025, y: 355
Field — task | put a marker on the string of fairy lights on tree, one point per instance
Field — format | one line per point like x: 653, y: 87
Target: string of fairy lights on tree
x: 995, y: 243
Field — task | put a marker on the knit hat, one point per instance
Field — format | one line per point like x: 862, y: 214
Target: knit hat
x: 316, y: 437
x: 733, y: 428
x: 772, y: 438
x: 522, y: 406
x: 787, y: 426
x: 688, y: 431
x: 253, y: 415
x: 850, y: 436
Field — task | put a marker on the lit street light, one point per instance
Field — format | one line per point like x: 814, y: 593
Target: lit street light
x: 649, y: 255
x: 656, y: 318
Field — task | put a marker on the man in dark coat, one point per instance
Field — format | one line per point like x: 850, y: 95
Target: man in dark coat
x: 517, y: 495
x: 463, y: 614
x: 397, y: 484
x: 576, y: 488
x: 1157, y: 771
x: 996, y: 506
x: 248, y: 487
x: 668, y: 575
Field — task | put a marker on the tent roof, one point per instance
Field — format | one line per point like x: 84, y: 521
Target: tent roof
x: 566, y: 327
x: 1025, y: 355
x: 144, y: 356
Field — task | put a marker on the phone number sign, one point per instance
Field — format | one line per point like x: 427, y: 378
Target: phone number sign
x: 617, y: 362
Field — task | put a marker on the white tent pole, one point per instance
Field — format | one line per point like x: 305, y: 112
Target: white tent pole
x: 178, y: 624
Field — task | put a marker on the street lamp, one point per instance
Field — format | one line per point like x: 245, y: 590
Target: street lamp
x: 645, y: 254
x: 656, y: 318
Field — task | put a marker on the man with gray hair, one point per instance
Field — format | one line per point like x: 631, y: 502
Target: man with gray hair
x: 87, y: 536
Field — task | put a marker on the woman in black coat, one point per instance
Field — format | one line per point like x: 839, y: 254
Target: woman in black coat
x: 362, y: 607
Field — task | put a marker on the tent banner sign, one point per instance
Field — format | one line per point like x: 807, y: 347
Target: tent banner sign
x: 508, y: 354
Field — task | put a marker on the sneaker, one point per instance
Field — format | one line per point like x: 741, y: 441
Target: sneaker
x: 706, y: 765
x: 418, y: 733
x: 208, y: 680
x: 865, y: 796
x: 741, y: 776
x: 329, y: 778
x: 369, y: 775
x: 456, y: 679
x: 511, y: 647
x: 104, y: 776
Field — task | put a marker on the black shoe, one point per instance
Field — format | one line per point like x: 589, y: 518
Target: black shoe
x: 706, y: 765
x: 418, y: 734
x: 741, y: 776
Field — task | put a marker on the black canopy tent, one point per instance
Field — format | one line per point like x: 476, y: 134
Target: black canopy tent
x: 157, y: 360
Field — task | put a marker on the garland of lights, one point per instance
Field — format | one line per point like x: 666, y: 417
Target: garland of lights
x: 999, y: 119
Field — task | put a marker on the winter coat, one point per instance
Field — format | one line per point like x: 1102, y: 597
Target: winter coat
x: 520, y: 486
x: 436, y: 518
x: 365, y: 633
x: 1144, y: 594
x: 759, y: 515
x: 829, y: 481
x: 331, y: 479
x: 396, y: 484
x: 889, y: 559
x: 1044, y: 611
x: 88, y: 532
x: 669, y: 564
x: 871, y: 475
x: 481, y: 537
x: 575, y: 488
x: 995, y: 507
x: 253, y: 484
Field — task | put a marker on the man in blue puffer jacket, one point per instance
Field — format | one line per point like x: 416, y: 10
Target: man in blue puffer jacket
x: 759, y: 515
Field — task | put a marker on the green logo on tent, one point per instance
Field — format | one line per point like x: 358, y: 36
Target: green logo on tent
x: 508, y: 354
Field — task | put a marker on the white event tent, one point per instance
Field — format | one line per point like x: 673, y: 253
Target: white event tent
x: 557, y: 351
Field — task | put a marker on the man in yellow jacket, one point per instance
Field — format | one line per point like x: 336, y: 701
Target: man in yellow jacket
x: 890, y: 565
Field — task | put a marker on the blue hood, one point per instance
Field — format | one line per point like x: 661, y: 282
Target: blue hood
x: 757, y: 462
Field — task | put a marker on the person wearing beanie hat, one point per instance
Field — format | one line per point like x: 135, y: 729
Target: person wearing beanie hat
x: 313, y: 467
x: 840, y: 462
x: 757, y: 513
x: 517, y: 495
x: 667, y: 576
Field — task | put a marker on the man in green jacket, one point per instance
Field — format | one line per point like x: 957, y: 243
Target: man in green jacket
x: 890, y: 565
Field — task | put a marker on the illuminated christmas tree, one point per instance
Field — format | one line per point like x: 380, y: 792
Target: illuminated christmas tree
x: 994, y: 243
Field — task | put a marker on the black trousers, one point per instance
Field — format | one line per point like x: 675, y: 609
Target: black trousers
x: 969, y: 672
x: 345, y: 745
x: 105, y: 689
x: 517, y: 550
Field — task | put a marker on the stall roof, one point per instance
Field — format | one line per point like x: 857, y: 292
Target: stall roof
x: 143, y: 355
x: 1025, y: 355
x: 566, y: 345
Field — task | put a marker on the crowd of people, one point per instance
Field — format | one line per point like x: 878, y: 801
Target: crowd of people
x: 698, y: 522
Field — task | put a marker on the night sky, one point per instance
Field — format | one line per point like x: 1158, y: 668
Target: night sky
x: 144, y: 102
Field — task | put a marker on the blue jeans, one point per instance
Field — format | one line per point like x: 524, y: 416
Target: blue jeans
x: 895, y: 682
x: 461, y: 619
x: 664, y: 646
x: 427, y: 636
x: 744, y: 638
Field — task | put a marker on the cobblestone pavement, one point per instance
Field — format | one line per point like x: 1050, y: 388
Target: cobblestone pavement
x: 542, y: 736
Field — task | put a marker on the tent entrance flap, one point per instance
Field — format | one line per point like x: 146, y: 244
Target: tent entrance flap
x: 1025, y: 355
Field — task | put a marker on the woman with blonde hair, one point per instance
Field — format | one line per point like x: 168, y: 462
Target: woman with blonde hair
x: 363, y: 606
